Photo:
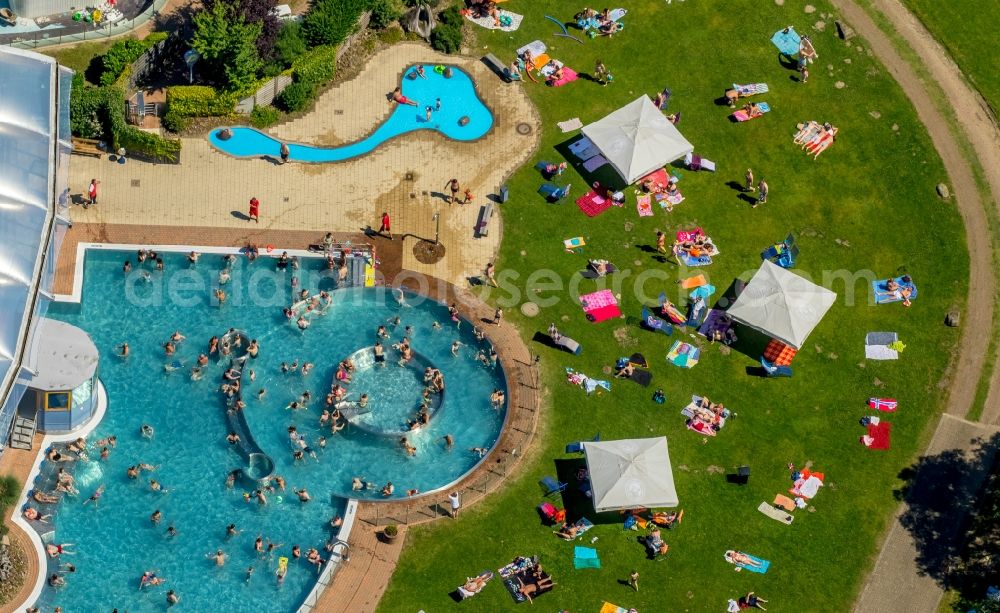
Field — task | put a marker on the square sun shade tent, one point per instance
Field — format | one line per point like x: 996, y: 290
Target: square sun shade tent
x: 637, y: 139
x: 782, y: 305
x: 630, y: 473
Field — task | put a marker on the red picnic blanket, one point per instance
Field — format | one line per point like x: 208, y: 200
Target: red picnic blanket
x: 592, y: 204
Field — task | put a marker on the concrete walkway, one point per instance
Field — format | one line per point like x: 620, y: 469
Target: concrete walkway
x: 403, y: 177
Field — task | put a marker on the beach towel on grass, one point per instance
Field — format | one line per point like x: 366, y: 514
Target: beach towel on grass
x: 514, y: 589
x: 760, y: 565
x: 576, y: 242
x: 887, y: 405
x: 713, y: 321
x: 643, y: 206
x: 536, y: 47
x: 742, y: 115
x: 807, y: 485
x: 666, y: 200
x: 786, y: 503
x: 568, y: 76
x: 549, y: 67
x: 585, y: 557
x: 600, y: 306
x: 683, y: 355
x: 607, y: 607
x: 787, y: 42
x: 878, y: 436
x: 697, y: 280
x: 877, y: 346
x: 592, y: 204
x: 508, y: 21
x: 594, y: 163
x: 654, y: 323
x: 588, y: 384
x: 884, y: 296
x: 657, y: 176
x: 703, y: 291
x: 570, y: 124
x: 692, y: 261
x: 776, y: 514
x: 750, y: 89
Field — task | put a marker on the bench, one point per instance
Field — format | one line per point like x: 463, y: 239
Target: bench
x: 485, y: 213
x: 87, y: 146
x: 494, y: 64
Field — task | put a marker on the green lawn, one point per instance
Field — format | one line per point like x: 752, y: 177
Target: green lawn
x: 873, y: 189
x: 78, y: 57
x: 967, y: 29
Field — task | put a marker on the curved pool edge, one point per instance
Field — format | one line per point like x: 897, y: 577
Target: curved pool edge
x: 399, y: 79
x: 18, y: 520
x: 471, y: 308
x: 328, y: 575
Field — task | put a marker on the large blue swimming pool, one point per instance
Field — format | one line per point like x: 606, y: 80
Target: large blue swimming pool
x: 457, y: 96
x: 116, y: 541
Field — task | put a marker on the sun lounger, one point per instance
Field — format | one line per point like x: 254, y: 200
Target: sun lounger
x: 696, y: 163
x: 551, y: 485
x: 776, y: 514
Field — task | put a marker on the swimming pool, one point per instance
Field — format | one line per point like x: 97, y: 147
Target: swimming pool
x: 458, y: 100
x: 116, y: 541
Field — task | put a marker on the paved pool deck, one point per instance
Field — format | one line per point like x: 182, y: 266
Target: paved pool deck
x: 404, y: 177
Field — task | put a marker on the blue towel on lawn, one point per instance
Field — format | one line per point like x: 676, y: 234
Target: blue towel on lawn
x: 703, y: 291
x: 585, y: 557
x: 882, y: 295
x: 764, y: 565
x: 763, y: 107
x: 787, y: 42
x: 690, y: 260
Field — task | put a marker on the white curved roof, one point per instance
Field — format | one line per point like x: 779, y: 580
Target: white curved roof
x: 29, y: 148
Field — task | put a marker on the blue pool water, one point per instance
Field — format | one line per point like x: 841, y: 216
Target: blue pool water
x: 458, y: 99
x: 116, y: 541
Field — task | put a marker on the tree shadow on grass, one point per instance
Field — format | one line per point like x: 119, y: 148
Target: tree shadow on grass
x: 955, y: 537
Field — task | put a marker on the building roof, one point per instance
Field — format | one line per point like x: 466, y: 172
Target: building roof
x: 66, y: 356
x: 30, y: 128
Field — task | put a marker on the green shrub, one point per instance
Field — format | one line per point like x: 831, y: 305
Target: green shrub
x: 316, y: 66
x: 447, y: 35
x: 137, y: 143
x: 290, y: 44
x: 123, y: 53
x: 384, y: 13
x: 264, y: 116
x: 329, y: 22
x: 85, y: 106
x: 187, y: 101
x: 297, y: 96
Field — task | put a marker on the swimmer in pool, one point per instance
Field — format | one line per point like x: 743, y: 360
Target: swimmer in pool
x: 480, y: 451
x: 231, y: 531
x: 156, y: 517
x: 449, y: 441
x: 388, y: 489
x: 218, y: 556
x: 147, y: 431
x: 246, y: 579
x: 303, y: 495
x: 96, y: 496
x: 123, y: 350
x: 357, y: 484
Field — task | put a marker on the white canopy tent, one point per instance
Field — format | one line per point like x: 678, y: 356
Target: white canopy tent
x: 630, y: 473
x: 781, y: 304
x: 637, y: 139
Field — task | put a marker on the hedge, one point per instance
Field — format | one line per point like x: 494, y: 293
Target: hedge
x: 316, y: 66
x: 447, y: 35
x: 137, y: 143
x: 187, y: 101
x: 123, y: 53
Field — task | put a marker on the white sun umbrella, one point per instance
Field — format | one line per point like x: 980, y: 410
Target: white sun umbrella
x: 630, y: 473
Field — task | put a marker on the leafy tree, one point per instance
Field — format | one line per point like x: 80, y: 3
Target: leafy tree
x: 329, y: 22
x: 252, y: 12
x: 384, y: 12
x: 290, y: 44
x: 226, y: 44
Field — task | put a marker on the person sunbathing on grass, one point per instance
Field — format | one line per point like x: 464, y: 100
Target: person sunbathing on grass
x: 752, y: 110
x: 625, y: 371
x: 751, y: 600
x: 738, y: 557
x: 555, y: 77
x: 567, y: 532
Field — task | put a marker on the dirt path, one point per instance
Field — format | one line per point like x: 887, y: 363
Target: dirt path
x: 977, y: 123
